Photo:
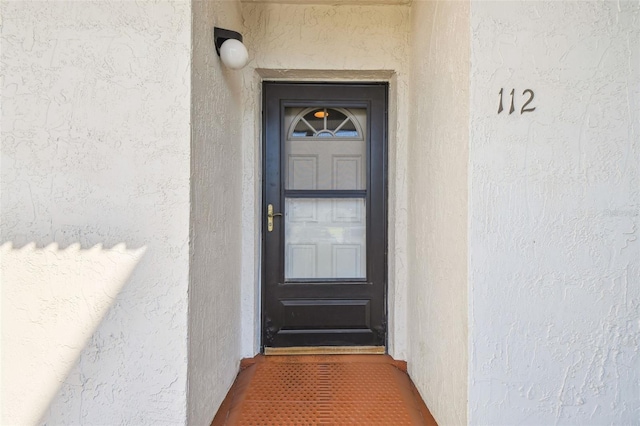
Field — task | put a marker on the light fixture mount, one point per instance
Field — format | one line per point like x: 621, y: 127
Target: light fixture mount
x: 229, y: 47
x: 220, y: 35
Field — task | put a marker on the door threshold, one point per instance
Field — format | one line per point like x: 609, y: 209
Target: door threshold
x: 326, y: 350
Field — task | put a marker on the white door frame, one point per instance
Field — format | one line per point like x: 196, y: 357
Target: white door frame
x: 252, y: 193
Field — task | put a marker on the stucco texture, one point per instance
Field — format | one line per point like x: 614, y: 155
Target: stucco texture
x: 437, y: 174
x: 95, y: 158
x: 554, y: 254
x: 130, y: 202
x: 216, y: 176
x: 327, y: 43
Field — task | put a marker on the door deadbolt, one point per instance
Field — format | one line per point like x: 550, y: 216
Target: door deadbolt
x: 270, y: 216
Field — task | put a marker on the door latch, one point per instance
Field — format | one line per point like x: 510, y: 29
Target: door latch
x: 270, y: 216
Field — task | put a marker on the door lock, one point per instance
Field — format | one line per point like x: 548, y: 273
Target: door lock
x: 270, y: 216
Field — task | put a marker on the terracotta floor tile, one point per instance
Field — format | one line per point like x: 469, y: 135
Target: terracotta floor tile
x: 323, y: 390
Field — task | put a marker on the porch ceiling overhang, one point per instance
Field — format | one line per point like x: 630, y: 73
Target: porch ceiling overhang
x: 334, y: 2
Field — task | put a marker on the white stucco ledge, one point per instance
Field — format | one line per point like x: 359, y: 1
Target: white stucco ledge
x: 53, y: 299
x: 324, y: 75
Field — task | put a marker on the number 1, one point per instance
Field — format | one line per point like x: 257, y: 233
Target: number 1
x: 513, y: 108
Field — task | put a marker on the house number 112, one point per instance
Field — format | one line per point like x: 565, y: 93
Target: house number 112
x: 512, y: 108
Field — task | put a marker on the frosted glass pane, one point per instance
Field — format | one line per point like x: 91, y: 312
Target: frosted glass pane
x: 325, y: 238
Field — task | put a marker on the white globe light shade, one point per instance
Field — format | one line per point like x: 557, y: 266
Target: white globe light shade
x: 233, y: 54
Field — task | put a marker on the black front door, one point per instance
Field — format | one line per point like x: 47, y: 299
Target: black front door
x: 324, y: 210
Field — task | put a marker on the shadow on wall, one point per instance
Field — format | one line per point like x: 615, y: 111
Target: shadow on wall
x: 52, y: 302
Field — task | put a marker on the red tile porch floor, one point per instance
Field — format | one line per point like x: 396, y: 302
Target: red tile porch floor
x: 323, y: 390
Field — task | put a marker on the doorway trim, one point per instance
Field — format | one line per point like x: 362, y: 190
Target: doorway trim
x: 307, y: 311
x: 252, y: 197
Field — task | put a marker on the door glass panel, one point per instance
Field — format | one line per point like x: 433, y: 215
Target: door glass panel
x: 325, y: 148
x: 325, y: 238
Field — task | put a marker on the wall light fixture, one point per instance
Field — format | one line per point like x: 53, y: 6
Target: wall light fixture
x: 230, y: 48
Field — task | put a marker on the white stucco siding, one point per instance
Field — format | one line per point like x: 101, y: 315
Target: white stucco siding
x: 95, y: 150
x: 554, y: 252
x: 437, y: 175
x: 326, y: 43
x: 216, y: 158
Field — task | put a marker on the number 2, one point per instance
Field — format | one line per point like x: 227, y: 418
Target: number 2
x: 524, y: 107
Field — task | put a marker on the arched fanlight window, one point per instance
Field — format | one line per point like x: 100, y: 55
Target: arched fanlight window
x: 325, y: 123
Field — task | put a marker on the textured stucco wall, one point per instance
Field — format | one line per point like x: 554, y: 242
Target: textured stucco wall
x: 437, y: 174
x: 214, y: 292
x: 319, y: 42
x: 53, y: 299
x: 95, y: 150
x: 554, y: 252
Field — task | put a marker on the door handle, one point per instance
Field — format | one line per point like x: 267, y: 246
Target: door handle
x: 270, y: 216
